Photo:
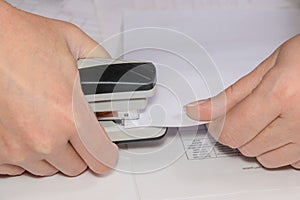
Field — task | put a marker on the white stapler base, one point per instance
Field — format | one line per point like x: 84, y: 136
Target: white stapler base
x: 118, y: 133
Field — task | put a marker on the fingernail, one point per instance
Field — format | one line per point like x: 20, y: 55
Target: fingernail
x: 192, y: 113
x: 195, y: 104
x: 193, y: 110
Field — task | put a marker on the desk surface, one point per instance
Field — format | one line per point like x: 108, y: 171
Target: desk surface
x: 172, y: 179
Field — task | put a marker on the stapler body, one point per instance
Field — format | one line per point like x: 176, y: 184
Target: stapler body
x: 117, y: 90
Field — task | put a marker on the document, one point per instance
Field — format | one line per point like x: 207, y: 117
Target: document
x: 194, y: 166
x: 235, y: 42
x: 188, y: 163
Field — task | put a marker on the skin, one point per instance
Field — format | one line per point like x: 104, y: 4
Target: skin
x: 41, y: 97
x: 262, y: 110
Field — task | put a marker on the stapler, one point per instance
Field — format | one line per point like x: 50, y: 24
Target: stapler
x: 117, y: 90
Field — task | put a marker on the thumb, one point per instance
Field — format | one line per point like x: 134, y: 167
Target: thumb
x: 209, y: 109
x: 83, y: 46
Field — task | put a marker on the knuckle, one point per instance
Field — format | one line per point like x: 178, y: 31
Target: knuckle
x: 12, y: 151
x: 231, y: 94
x: 45, y: 147
x: 71, y: 29
x: 277, y: 94
x: 68, y: 26
x: 15, y: 155
x: 279, y: 90
x: 220, y: 132
x: 44, y: 144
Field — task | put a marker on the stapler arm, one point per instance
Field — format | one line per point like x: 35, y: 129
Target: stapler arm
x: 117, y: 90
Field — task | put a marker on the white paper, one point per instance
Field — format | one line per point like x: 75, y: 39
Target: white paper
x: 200, y: 169
x: 237, y: 41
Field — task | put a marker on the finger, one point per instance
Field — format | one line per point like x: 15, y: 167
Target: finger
x: 296, y: 165
x: 272, y: 137
x: 280, y: 157
x: 251, y: 115
x: 40, y: 168
x: 67, y: 161
x: 202, y: 110
x: 83, y: 46
x: 11, y: 170
x: 90, y: 141
x: 254, y: 113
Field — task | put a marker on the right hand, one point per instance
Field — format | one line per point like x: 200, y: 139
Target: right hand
x: 41, y: 97
x: 262, y: 110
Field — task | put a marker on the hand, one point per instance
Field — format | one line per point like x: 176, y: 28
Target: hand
x: 262, y: 110
x: 38, y: 131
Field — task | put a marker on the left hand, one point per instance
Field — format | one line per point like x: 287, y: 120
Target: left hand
x: 262, y: 110
x: 46, y: 124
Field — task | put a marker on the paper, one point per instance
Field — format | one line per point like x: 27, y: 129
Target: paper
x: 196, y: 167
x: 177, y: 85
x: 237, y: 42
